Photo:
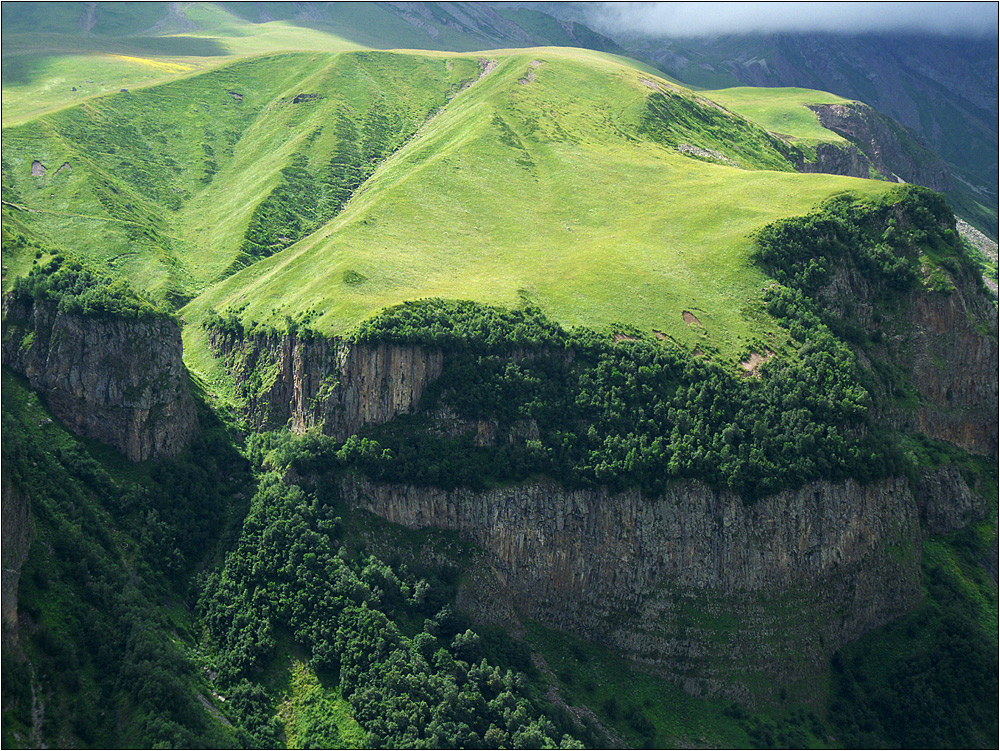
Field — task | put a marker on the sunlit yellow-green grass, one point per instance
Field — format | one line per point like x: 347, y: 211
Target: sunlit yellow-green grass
x: 597, y: 228
x: 537, y: 181
x: 316, y: 716
x: 780, y: 110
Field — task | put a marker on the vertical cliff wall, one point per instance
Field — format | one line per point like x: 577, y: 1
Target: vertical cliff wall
x: 119, y: 380
x: 942, y: 342
x: 694, y: 583
x: 338, y: 386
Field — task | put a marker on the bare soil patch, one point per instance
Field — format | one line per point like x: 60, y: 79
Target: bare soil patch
x: 531, y: 74
x: 37, y: 169
x: 690, y: 318
x: 753, y: 363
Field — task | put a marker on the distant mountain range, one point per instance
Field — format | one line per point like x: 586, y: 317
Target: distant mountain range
x: 943, y: 88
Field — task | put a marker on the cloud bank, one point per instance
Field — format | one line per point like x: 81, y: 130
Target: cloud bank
x: 972, y: 19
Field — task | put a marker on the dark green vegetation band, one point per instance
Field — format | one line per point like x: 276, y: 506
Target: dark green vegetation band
x: 636, y: 412
x: 76, y: 289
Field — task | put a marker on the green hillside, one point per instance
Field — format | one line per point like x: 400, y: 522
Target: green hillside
x: 599, y: 192
x: 781, y: 111
x: 552, y: 190
x: 59, y: 54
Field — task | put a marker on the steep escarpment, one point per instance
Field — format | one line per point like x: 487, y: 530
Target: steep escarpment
x: 893, y: 152
x: 722, y: 530
x: 687, y: 582
x: 117, y: 378
x: 328, y: 383
x: 894, y: 281
x: 834, y: 159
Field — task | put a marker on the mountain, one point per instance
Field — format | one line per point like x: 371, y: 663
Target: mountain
x: 940, y: 87
x: 56, y: 54
x: 357, y: 396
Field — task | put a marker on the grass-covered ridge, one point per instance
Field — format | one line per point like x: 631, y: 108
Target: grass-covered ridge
x: 781, y: 111
x: 545, y: 181
x: 594, y: 188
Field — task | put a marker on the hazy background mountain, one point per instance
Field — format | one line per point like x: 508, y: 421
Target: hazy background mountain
x: 937, y: 74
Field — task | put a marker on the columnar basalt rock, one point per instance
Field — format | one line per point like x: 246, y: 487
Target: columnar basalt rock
x: 120, y: 381
x: 326, y: 383
x: 682, y: 582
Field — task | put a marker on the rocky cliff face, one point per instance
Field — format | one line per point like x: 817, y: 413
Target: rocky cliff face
x: 944, y: 342
x: 954, y: 368
x: 329, y: 383
x: 887, y: 146
x: 694, y: 583
x: 832, y: 159
x: 120, y: 381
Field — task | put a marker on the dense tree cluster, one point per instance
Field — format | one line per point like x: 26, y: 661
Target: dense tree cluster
x: 79, y: 290
x: 289, y: 573
x: 883, y: 240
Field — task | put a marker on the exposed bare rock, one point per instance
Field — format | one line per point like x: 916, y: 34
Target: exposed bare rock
x: 892, y: 150
x: 945, y: 501
x: 327, y: 382
x: 120, y: 381
x: 688, y: 583
x: 835, y: 159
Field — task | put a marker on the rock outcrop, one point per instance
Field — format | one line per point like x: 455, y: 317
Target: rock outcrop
x: 945, y: 501
x: 120, y: 381
x: 326, y: 383
x: 890, y: 148
x: 694, y: 583
x: 833, y: 159
x: 943, y: 342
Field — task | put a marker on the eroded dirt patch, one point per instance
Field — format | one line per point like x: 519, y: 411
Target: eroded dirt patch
x: 37, y: 169
x: 625, y: 338
x: 65, y: 166
x: 691, y: 319
x: 531, y: 74
x: 753, y: 363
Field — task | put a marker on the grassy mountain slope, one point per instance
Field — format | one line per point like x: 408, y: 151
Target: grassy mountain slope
x: 58, y: 54
x: 162, y: 182
x: 781, y: 111
x: 563, y: 189
x: 601, y: 193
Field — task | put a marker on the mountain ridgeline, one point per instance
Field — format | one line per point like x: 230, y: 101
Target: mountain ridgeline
x: 470, y: 400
